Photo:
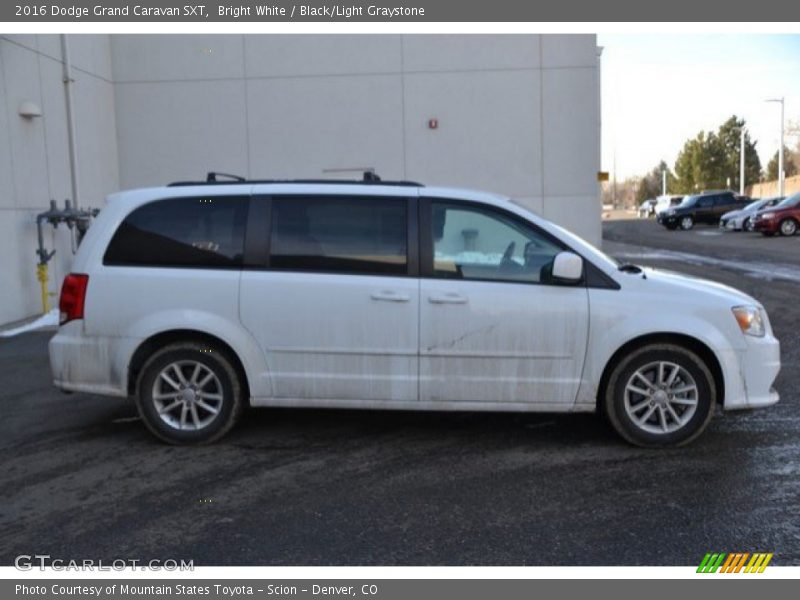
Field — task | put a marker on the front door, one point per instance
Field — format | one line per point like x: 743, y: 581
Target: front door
x: 335, y: 310
x: 494, y: 327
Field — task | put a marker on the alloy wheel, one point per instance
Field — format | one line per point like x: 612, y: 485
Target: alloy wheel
x: 788, y: 227
x: 661, y: 397
x: 187, y: 395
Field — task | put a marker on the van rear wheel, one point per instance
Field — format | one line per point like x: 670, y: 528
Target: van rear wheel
x: 660, y: 395
x: 189, y: 393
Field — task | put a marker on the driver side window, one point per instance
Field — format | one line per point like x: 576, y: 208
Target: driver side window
x: 477, y: 243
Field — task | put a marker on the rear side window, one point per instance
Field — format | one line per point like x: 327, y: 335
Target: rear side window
x: 182, y: 232
x: 342, y: 234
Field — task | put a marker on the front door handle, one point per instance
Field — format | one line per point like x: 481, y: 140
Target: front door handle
x: 447, y: 299
x: 390, y: 296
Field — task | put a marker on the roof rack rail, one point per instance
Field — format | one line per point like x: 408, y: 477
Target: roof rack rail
x: 211, y: 177
x: 369, y: 178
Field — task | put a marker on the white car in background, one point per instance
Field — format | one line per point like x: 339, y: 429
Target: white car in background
x: 666, y: 202
x: 198, y: 299
x: 647, y: 208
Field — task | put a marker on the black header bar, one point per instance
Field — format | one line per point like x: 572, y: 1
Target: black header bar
x: 405, y: 11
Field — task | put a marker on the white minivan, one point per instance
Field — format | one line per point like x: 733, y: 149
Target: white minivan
x: 200, y: 298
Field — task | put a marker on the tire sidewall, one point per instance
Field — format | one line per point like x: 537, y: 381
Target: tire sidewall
x: 210, y: 358
x: 615, y: 399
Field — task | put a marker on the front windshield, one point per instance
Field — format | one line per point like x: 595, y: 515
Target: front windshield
x: 689, y: 201
x: 755, y: 205
x: 790, y: 201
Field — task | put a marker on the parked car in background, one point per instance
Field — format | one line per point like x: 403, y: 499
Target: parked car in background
x: 742, y: 220
x: 199, y: 299
x: 783, y: 218
x: 647, y: 208
x: 665, y: 202
x: 707, y: 207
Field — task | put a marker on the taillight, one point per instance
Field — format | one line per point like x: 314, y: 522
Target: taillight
x: 73, y: 295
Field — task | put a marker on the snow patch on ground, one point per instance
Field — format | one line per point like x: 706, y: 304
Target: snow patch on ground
x: 43, y: 322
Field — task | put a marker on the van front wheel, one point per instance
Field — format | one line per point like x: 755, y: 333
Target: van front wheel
x: 189, y: 393
x: 660, y: 395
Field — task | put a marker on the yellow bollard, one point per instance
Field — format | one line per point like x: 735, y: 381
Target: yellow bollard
x: 41, y: 275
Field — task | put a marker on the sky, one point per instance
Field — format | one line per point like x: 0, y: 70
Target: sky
x: 659, y: 90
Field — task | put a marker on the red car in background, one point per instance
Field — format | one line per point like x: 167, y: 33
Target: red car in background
x: 783, y: 218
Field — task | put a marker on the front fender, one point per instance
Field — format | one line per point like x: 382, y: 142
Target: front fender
x: 607, y: 336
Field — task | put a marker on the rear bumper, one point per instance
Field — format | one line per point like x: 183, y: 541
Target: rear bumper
x: 94, y: 365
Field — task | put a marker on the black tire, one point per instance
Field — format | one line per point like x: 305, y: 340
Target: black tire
x: 788, y: 227
x: 687, y: 222
x: 747, y: 225
x: 226, y: 385
x: 614, y: 398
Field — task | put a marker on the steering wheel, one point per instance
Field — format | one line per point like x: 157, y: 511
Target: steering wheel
x: 506, y: 260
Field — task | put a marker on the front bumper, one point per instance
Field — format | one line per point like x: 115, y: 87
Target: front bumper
x: 733, y: 224
x: 668, y: 219
x: 768, y: 225
x: 750, y: 373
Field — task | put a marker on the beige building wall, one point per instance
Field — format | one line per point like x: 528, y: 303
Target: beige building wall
x: 765, y: 189
x: 516, y: 114
x: 34, y: 158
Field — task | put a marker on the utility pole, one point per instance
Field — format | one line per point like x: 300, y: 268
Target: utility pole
x: 664, y: 182
x: 614, y: 182
x: 780, y: 148
x: 741, y: 162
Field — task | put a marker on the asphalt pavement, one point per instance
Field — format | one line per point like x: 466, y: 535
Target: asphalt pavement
x: 81, y: 478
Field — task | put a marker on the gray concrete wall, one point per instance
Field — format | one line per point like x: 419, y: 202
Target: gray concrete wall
x: 34, y: 158
x: 517, y: 115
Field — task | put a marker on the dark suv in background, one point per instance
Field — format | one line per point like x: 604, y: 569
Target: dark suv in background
x: 707, y: 207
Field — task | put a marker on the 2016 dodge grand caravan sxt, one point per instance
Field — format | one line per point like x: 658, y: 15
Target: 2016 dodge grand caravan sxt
x: 198, y: 299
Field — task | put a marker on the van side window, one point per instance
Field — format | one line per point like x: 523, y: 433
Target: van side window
x: 341, y: 234
x: 182, y: 232
x: 472, y: 242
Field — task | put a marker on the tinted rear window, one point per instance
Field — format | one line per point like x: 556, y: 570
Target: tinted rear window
x: 339, y: 234
x: 182, y: 232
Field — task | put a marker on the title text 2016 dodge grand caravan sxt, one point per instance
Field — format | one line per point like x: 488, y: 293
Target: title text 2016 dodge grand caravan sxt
x: 200, y: 298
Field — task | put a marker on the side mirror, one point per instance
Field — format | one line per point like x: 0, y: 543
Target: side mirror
x: 567, y: 267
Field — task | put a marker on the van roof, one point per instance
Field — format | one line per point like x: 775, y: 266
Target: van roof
x: 369, y: 178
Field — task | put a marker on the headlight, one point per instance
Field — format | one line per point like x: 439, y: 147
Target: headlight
x: 768, y: 216
x: 750, y: 320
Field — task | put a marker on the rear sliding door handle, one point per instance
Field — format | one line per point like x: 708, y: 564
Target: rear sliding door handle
x: 447, y: 299
x: 389, y: 296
